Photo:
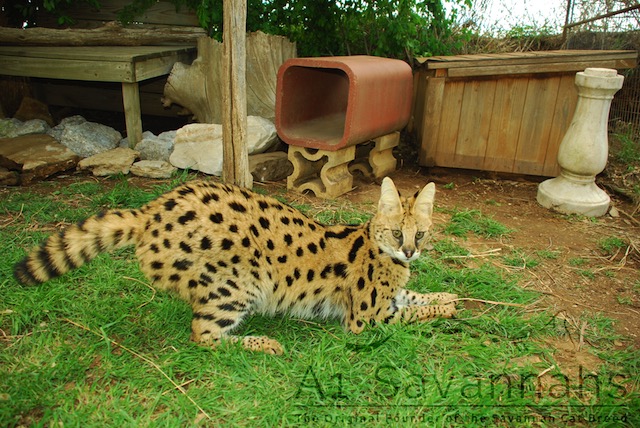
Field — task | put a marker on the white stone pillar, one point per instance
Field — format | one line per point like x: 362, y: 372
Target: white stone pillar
x: 584, y: 149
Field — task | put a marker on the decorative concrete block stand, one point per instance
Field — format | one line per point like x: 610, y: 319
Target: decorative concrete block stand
x: 325, y: 107
x: 584, y: 149
x: 328, y: 173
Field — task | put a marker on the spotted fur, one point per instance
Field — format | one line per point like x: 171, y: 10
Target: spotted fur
x: 230, y: 252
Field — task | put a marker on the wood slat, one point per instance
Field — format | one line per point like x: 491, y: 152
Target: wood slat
x: 433, y: 99
x: 475, y: 118
x: 506, y: 119
x: 526, y: 58
x: 449, y: 124
x: 537, y: 57
x: 94, y: 53
x: 536, y: 126
x: 561, y: 119
x: 555, y: 67
x: 99, y: 63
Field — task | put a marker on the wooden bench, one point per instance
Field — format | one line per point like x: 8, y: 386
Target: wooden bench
x: 128, y: 65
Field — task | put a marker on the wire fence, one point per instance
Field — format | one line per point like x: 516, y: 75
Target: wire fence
x: 591, y: 25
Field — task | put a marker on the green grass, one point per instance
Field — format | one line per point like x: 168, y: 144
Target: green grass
x: 474, y: 221
x: 98, y: 347
x: 628, y: 151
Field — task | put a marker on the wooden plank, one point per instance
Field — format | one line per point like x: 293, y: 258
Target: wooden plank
x: 67, y: 69
x: 475, y: 122
x: 562, y: 116
x: 94, y: 53
x: 132, y: 117
x: 508, y: 107
x: 433, y: 99
x: 449, y: 123
x: 102, y: 64
x: 235, y: 166
x: 557, y: 67
x: 523, y: 58
x: 536, y: 125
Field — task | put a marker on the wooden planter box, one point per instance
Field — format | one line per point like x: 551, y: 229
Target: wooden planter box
x: 501, y: 112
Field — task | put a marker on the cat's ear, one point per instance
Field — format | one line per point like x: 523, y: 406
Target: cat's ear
x: 424, y: 200
x: 389, y: 203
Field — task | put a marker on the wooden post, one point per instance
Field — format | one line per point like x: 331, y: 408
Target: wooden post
x: 235, y: 166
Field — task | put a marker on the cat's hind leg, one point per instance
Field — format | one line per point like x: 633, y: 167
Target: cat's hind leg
x: 213, y: 323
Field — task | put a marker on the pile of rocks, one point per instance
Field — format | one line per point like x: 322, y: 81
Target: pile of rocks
x: 32, y: 149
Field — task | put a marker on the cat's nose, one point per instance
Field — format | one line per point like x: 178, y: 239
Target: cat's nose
x: 408, y: 252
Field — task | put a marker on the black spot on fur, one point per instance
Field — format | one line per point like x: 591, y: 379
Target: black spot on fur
x: 187, y: 217
x: 170, y: 204
x: 205, y: 243
x: 340, y: 235
x: 186, y: 191
x: 357, y: 244
x: 374, y: 295
x: 224, y: 322
x: 340, y: 269
x: 238, y: 207
x: 210, y: 197
x: 216, y: 218
x: 182, y: 264
x: 326, y: 271
x: 264, y: 223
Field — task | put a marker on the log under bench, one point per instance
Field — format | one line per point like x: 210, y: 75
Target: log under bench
x: 127, y: 65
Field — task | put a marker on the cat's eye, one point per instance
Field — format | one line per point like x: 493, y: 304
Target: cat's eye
x: 419, y: 236
x: 397, y: 234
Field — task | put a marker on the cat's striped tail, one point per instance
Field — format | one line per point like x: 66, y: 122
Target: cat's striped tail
x: 79, y: 244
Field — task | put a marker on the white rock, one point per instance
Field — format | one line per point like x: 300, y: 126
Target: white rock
x: 198, y: 146
x: 153, y: 169
x: 116, y: 161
